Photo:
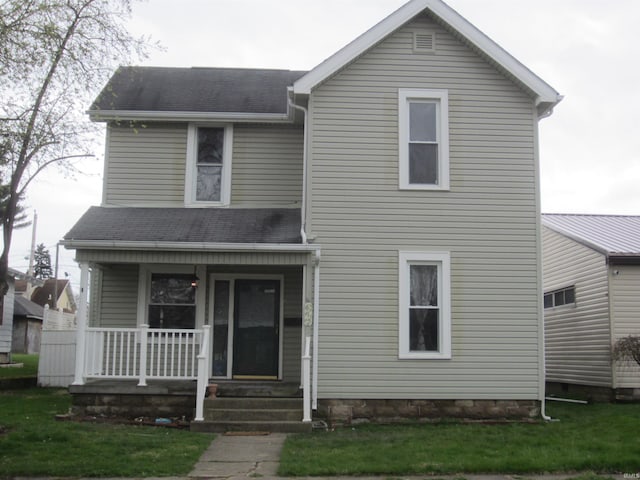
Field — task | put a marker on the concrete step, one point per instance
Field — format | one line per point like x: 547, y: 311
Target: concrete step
x: 274, y: 415
x: 235, y: 388
x: 251, y: 426
x: 246, y: 403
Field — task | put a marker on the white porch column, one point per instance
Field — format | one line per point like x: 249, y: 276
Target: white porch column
x: 81, y: 329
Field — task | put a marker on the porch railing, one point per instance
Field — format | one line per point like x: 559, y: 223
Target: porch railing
x: 144, y: 353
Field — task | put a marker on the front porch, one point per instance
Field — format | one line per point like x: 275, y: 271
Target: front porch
x: 247, y: 335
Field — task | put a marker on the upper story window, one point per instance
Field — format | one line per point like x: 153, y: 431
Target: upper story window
x: 208, y: 174
x: 425, y: 305
x: 423, y: 139
x: 562, y: 296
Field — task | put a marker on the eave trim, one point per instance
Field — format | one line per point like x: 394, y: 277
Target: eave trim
x: 137, y: 115
x: 187, y: 246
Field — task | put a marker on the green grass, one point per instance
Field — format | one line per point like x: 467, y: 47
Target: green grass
x: 29, y: 369
x: 35, y: 444
x: 591, y: 438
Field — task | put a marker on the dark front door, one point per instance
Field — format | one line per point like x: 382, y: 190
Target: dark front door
x: 256, y: 325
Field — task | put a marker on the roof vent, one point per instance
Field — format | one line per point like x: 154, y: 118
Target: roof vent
x: 424, y: 42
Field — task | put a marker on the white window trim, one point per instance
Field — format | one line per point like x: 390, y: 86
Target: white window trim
x: 442, y: 97
x: 191, y: 177
x: 443, y: 261
x: 144, y: 289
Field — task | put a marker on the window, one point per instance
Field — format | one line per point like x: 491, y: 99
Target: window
x: 423, y: 139
x: 562, y: 296
x: 208, y: 174
x: 425, y: 305
x: 172, y: 301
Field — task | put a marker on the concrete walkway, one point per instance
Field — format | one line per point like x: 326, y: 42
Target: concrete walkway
x: 231, y: 456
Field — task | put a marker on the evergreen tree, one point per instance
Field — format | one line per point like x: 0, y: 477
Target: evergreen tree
x: 42, y: 263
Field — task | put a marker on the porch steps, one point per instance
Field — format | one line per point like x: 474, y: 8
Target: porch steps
x: 252, y: 414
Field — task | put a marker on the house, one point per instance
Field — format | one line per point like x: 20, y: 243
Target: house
x: 591, y: 266
x: 368, y: 230
x: 27, y: 326
x: 56, y: 293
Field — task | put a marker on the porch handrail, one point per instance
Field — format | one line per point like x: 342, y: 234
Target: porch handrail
x: 143, y: 353
x: 306, y: 381
x: 203, y: 373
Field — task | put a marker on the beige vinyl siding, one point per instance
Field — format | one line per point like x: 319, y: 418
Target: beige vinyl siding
x: 625, y: 313
x: 577, y: 340
x: 267, y: 166
x: 146, y: 165
x: 487, y: 221
x: 118, y: 297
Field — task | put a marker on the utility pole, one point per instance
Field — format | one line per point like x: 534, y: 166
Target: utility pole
x: 32, y: 254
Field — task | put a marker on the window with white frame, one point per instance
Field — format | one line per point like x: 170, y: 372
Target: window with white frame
x: 425, y: 305
x: 172, y: 301
x: 559, y: 297
x: 423, y: 139
x: 208, y: 174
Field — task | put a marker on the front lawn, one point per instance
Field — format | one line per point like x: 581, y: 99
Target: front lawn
x: 29, y: 366
x: 599, y: 438
x: 33, y: 443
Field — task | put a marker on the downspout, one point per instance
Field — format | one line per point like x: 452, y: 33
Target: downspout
x: 316, y: 260
x: 303, y: 209
x: 542, y: 363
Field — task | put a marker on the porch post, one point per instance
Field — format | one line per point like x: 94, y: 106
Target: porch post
x: 81, y: 328
x: 144, y: 338
x: 316, y: 308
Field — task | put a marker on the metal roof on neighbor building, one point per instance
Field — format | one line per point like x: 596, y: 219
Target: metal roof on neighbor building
x: 613, y: 235
x: 188, y: 225
x: 161, y: 89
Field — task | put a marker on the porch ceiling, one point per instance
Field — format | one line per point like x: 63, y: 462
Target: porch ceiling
x: 188, y: 225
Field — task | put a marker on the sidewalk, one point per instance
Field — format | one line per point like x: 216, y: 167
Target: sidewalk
x: 231, y: 456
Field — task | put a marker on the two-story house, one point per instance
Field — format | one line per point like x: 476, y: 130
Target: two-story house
x: 374, y: 220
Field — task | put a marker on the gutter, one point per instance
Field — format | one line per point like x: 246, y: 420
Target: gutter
x: 116, y: 115
x: 188, y: 246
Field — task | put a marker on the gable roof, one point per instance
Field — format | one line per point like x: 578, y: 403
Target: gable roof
x: 546, y: 96
x: 181, y: 228
x: 44, y: 295
x: 187, y: 93
x: 615, y: 236
x: 23, y: 307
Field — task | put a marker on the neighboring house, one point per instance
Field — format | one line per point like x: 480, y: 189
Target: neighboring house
x: 27, y: 326
x: 6, y: 327
x: 592, y: 298
x: 55, y: 293
x: 382, y: 206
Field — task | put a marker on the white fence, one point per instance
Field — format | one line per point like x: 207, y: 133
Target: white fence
x: 57, y: 349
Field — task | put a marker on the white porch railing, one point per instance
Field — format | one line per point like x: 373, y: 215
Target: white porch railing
x: 142, y: 353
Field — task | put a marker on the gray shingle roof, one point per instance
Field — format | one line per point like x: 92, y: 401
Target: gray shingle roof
x: 193, y: 225
x: 24, y: 307
x: 609, y: 234
x: 226, y: 90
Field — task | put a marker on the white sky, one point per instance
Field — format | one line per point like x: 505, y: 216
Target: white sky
x: 588, y: 50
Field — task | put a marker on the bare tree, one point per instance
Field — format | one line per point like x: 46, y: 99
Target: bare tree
x: 627, y: 348
x: 54, y: 57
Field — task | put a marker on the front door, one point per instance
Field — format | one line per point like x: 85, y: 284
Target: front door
x: 256, y: 325
x: 246, y: 327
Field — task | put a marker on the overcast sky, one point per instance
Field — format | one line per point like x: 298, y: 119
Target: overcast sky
x: 588, y: 50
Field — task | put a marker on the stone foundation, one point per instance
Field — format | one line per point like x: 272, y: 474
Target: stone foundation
x: 348, y: 412
x: 176, y: 399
